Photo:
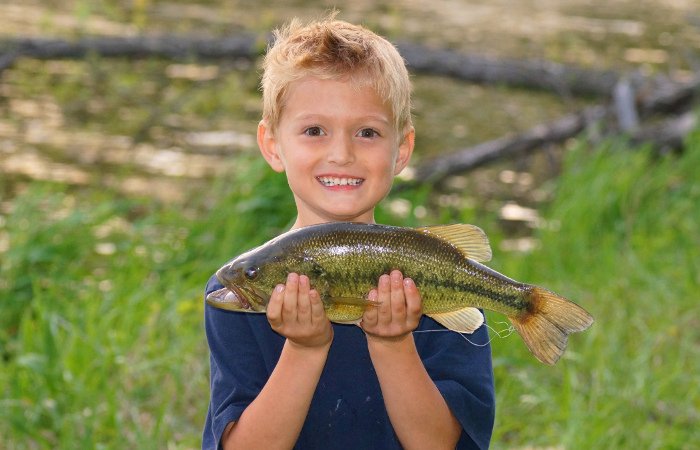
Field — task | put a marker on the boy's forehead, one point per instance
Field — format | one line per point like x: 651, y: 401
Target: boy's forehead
x: 310, y: 96
x: 359, y: 84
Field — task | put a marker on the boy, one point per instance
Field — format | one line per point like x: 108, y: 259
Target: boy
x: 336, y: 120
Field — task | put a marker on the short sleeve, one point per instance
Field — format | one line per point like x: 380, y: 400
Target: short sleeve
x: 461, y: 368
x: 238, y: 371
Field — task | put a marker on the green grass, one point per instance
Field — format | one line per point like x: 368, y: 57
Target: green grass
x: 101, y: 339
x: 624, y: 242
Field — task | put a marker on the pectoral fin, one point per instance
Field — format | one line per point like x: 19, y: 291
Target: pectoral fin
x: 465, y: 320
x: 347, y: 310
x: 469, y: 239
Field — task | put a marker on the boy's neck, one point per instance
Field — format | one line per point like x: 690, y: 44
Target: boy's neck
x: 305, y: 222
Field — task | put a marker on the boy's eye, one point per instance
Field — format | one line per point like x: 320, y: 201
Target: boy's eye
x: 368, y: 133
x: 314, y: 131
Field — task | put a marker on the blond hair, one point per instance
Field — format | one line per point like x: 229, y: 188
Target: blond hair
x: 334, y: 49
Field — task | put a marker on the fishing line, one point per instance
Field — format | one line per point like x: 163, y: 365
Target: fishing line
x: 501, y: 334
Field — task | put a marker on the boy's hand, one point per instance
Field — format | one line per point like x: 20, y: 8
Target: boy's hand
x: 399, y: 309
x: 296, y: 312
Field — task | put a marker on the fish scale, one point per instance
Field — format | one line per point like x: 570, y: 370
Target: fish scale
x: 444, y: 276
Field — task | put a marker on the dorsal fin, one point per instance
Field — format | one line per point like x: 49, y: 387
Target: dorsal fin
x: 469, y: 239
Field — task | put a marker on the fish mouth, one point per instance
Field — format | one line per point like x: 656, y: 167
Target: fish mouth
x: 333, y: 181
x: 237, y: 298
x: 227, y: 299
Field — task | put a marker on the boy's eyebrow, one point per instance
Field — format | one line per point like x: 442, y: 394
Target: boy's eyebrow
x: 376, y: 117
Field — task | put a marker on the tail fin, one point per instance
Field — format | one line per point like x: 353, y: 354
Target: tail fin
x: 546, y: 326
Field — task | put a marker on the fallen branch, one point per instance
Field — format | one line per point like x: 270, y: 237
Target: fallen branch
x: 521, y: 144
x: 168, y: 46
x: 668, y: 135
x: 665, y: 136
x: 669, y: 97
x: 530, y: 74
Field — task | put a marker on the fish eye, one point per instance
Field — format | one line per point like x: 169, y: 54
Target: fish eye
x: 251, y: 273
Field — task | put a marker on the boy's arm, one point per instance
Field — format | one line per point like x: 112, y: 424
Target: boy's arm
x: 275, y: 418
x: 417, y: 410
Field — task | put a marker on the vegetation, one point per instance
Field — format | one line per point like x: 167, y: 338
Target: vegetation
x: 101, y: 335
x: 623, y: 240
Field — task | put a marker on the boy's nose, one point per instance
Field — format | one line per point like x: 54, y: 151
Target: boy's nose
x: 340, y: 151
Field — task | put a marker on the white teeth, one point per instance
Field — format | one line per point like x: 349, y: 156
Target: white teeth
x: 335, y: 181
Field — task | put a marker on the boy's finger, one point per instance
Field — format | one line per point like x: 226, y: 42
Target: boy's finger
x: 303, y: 301
x: 398, y: 301
x: 414, y: 304
x: 370, y: 315
x: 289, y: 306
x: 274, y: 306
x: 384, y: 298
x: 317, y: 310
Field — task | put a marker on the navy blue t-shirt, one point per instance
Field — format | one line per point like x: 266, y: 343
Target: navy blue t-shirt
x: 347, y: 410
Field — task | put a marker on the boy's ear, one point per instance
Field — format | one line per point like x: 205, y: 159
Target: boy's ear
x: 268, y: 147
x: 405, y: 150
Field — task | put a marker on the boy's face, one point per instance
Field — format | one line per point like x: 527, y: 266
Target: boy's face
x: 339, y: 148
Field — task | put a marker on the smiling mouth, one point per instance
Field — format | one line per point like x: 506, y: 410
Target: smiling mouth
x: 340, y: 181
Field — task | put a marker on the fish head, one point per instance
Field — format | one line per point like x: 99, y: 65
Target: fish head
x: 250, y: 279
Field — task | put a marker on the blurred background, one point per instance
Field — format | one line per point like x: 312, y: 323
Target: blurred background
x: 126, y: 181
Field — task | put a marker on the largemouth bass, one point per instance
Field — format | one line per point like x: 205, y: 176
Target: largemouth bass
x: 345, y: 260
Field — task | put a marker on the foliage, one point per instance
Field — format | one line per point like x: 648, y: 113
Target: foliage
x: 102, y: 343
x: 622, y: 240
x: 101, y: 336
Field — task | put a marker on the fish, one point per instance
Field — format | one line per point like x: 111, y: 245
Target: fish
x: 344, y: 261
